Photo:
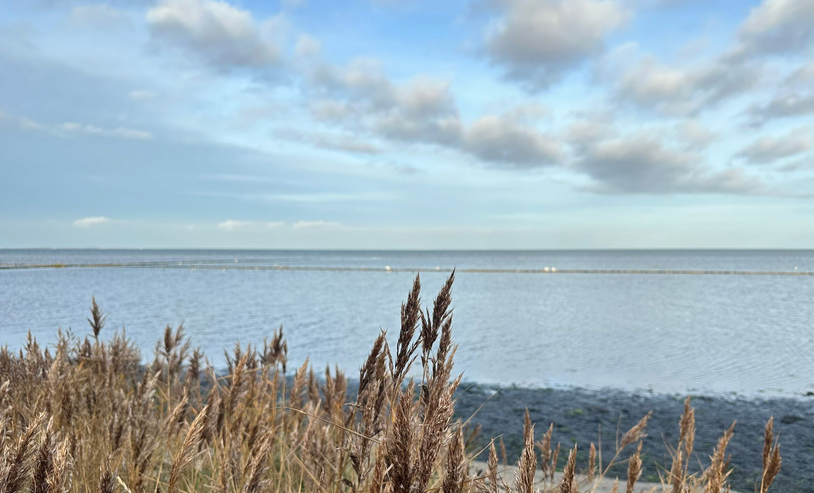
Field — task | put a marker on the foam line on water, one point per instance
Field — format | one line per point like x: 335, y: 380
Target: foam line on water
x: 208, y: 266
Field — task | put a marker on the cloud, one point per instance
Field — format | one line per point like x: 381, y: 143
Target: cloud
x: 346, y: 144
x: 77, y: 128
x: 138, y: 94
x: 100, y: 15
x: 803, y: 77
x: 127, y: 133
x: 221, y: 34
x: 537, y: 41
x: 231, y: 225
x: 307, y: 46
x: 652, y: 85
x: 28, y: 124
x: 316, y: 225
x: 802, y: 164
x: 767, y: 150
x: 423, y: 110
x: 87, y: 222
x: 640, y: 164
x: 336, y: 142
x: 776, y: 27
x: 586, y: 132
x: 667, y: 3
x: 781, y: 106
x: 364, y: 87
x: 501, y: 140
x: 694, y: 135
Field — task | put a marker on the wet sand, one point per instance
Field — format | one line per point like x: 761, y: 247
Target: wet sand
x: 509, y: 474
x: 578, y: 415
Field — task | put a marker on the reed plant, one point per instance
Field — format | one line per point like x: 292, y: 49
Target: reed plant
x: 90, y: 415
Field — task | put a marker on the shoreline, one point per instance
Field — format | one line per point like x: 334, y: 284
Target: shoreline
x: 489, y: 387
x: 579, y: 414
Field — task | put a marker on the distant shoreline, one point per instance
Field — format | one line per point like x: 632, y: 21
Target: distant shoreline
x: 416, y: 250
x: 546, y: 270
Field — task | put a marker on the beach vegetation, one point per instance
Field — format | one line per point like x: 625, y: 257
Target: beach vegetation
x: 91, y: 415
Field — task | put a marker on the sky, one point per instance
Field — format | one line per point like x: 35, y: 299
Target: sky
x: 407, y: 124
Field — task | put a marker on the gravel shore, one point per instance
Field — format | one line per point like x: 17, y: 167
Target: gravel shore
x: 578, y: 415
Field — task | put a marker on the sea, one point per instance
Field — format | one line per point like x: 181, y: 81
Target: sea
x: 594, y: 319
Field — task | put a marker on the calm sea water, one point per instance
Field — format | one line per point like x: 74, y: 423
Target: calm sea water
x: 668, y: 333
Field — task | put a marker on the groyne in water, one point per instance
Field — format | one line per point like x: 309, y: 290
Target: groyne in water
x: 219, y: 265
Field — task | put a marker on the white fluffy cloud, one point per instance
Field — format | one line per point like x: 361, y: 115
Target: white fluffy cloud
x: 127, y: 133
x: 232, y: 225
x: 536, y: 41
x: 694, y: 134
x: 676, y: 90
x: 644, y: 165
x: 87, y: 222
x: 307, y: 46
x: 766, y: 150
x: 69, y: 128
x: 423, y: 110
x: 777, y: 27
x: 504, y: 141
x: 316, y: 225
x: 220, y: 33
x: 791, y: 105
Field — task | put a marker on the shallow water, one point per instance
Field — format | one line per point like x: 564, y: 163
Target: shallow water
x: 669, y: 333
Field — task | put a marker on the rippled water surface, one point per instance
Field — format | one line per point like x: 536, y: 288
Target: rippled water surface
x: 668, y: 333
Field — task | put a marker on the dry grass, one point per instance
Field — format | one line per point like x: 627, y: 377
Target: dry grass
x: 89, y: 416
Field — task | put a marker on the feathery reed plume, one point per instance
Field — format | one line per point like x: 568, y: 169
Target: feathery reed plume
x: 683, y: 452
x: 456, y: 465
x: 44, y: 461
x: 50, y: 470
x: 687, y: 427
x: 637, y: 433
x: 439, y: 320
x: 592, y: 463
x: 16, y: 469
x: 379, y: 470
x: 258, y: 468
x: 545, y: 452
x: 58, y: 478
x: 718, y: 470
x: 568, y: 473
x: 405, y: 347
x: 276, y: 351
x: 527, y: 465
x: 193, y: 437
x: 438, y: 407
x: 107, y: 478
x: 634, y: 468
x: 491, y: 473
x: 97, y: 319
x: 771, y: 457
x: 400, y: 443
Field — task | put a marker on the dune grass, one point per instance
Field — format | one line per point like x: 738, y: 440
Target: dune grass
x: 90, y: 415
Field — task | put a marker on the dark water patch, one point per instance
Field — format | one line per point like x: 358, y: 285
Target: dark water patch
x: 579, y: 415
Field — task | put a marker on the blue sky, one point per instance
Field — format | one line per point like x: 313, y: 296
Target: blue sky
x: 407, y: 124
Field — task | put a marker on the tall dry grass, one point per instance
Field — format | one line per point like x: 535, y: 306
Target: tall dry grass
x: 88, y: 416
